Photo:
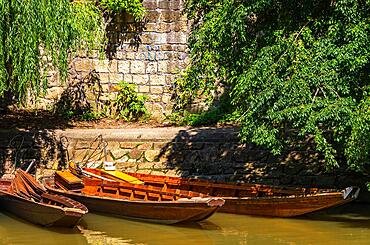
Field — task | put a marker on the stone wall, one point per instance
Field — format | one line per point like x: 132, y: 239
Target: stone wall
x: 149, y: 54
x: 213, y: 153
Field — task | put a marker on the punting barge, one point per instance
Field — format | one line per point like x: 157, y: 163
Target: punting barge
x: 131, y: 201
x: 27, y: 199
x: 251, y: 199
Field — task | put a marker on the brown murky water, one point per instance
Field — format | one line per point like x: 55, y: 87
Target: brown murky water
x: 345, y: 228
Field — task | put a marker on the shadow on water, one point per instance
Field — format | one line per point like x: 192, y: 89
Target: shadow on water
x: 351, y: 215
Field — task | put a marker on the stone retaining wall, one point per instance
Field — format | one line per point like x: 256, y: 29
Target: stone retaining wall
x: 213, y: 153
x: 149, y: 54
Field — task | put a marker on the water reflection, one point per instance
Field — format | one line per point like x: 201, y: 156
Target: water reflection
x: 133, y: 232
x: 16, y: 231
x: 325, y: 228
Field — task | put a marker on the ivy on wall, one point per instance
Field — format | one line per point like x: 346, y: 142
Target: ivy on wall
x: 37, y: 36
x: 292, y: 69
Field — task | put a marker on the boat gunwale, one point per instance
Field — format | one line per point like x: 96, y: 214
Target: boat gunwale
x: 64, y: 209
x: 197, y: 200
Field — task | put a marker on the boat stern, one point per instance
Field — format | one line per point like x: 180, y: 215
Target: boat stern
x: 351, y: 192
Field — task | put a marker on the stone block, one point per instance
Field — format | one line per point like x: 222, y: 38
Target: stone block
x: 181, y: 48
x: 152, y: 67
x: 81, y: 145
x: 166, y: 98
x: 137, y: 67
x: 115, y: 78
x: 159, y: 172
x: 144, y: 171
x: 54, y: 93
x: 164, y: 4
x: 152, y: 16
x: 124, y: 66
x: 130, y: 55
x: 83, y: 65
x: 160, y: 38
x: 162, y: 66
x: 164, y: 27
x: 170, y: 79
x: 151, y: 27
x: 118, y: 153
x: 156, y: 89
x: 175, y: 173
x: 157, y: 112
x: 105, y: 65
x: 124, y: 165
x: 160, y: 145
x: 167, y: 47
x: 175, y: 4
x: 145, y: 146
x: 121, y: 55
x: 152, y: 155
x: 129, y: 145
x: 179, y: 26
x: 170, y: 16
x: 140, y: 79
x: 157, y: 80
x: 150, y: 4
x: 128, y: 78
x: 145, y: 165
x: 177, y: 38
x: 173, y: 67
x: 144, y: 89
x: 104, y: 78
x: 183, y: 56
x: 135, y: 154
x: 147, y: 38
x: 154, y: 97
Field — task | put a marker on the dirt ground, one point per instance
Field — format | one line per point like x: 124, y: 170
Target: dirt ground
x: 46, y: 120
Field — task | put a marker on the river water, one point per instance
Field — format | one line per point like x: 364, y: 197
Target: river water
x: 348, y: 227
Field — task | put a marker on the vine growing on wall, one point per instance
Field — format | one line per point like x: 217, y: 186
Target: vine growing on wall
x: 37, y: 36
x: 293, y: 69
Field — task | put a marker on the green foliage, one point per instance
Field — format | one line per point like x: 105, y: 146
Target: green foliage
x: 88, y: 22
x: 129, y: 105
x: 38, y: 36
x: 293, y: 69
x: 133, y: 7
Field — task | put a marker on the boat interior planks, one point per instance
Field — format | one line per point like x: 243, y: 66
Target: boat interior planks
x: 251, y: 199
x: 135, y: 201
x: 24, y: 197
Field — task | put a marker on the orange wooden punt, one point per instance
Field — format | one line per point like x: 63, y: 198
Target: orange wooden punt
x: 25, y: 198
x: 252, y: 199
x: 145, y: 203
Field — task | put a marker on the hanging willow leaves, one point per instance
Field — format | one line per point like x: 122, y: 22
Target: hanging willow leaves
x: 39, y: 35
x: 294, y: 69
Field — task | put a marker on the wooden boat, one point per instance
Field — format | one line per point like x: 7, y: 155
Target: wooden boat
x: 27, y: 199
x: 134, y: 201
x: 251, y: 199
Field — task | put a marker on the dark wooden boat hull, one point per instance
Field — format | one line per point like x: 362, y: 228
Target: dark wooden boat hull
x: 158, y: 212
x: 281, y: 207
x: 45, y: 215
x: 289, y: 202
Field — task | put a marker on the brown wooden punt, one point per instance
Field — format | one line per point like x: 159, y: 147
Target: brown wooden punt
x: 140, y: 202
x: 27, y: 199
x: 252, y: 199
